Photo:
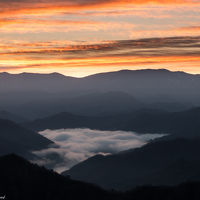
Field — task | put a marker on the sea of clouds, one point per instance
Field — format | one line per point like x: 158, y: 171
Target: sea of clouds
x: 75, y: 145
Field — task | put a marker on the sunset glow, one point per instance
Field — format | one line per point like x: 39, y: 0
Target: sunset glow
x: 82, y: 37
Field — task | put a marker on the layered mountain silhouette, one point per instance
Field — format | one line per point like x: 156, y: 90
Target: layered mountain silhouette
x: 99, y: 104
x: 39, y: 95
x: 144, y: 101
x: 17, y: 139
x: 12, y: 117
x: 183, y: 123
x: 28, y: 181
x: 167, y: 162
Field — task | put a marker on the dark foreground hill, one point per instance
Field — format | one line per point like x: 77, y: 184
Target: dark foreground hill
x: 157, y: 163
x: 21, y: 180
x: 19, y: 140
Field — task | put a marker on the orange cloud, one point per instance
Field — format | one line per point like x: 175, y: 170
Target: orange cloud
x: 86, y: 66
x: 20, y: 7
x: 59, y: 55
x: 39, y: 25
x: 179, y: 46
x: 169, y: 32
x: 4, y: 22
x: 189, y: 28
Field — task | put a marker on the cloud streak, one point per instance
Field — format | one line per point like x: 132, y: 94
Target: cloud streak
x: 39, y: 25
x: 76, y: 145
x: 176, y: 46
x: 107, y: 53
x: 45, y: 7
x: 37, y: 21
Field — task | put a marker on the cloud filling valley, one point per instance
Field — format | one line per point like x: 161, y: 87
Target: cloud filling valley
x: 75, y: 145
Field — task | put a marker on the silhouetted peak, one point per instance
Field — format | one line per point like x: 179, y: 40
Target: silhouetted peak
x: 35, y: 75
x: 28, y: 75
x: 124, y: 72
x: 145, y: 71
x: 4, y: 74
x: 55, y: 74
x: 131, y: 73
x: 160, y: 71
x: 13, y: 158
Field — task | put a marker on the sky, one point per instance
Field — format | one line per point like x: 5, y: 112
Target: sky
x: 83, y: 37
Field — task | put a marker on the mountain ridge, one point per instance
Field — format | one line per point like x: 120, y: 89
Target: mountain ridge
x: 17, y: 139
x: 12, y: 117
x: 123, y: 71
x: 184, y: 123
x: 35, y: 97
x: 153, y: 164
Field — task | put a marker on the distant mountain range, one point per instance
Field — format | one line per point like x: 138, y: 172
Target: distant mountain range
x: 183, y: 123
x: 12, y: 117
x: 167, y: 162
x: 144, y: 101
x: 39, y: 95
x: 17, y: 139
x: 27, y: 181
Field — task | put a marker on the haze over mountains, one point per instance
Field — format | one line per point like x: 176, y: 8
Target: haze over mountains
x: 39, y: 95
x: 183, y: 123
x: 144, y: 101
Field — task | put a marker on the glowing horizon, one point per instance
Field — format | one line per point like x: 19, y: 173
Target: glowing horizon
x: 83, y: 37
x: 75, y: 74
